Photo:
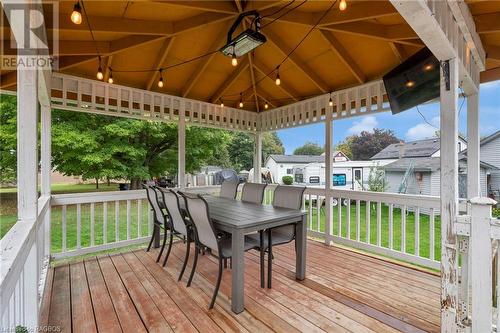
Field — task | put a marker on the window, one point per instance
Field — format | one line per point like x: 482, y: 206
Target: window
x: 299, y: 178
x: 339, y: 179
x: 289, y: 171
x: 314, y: 180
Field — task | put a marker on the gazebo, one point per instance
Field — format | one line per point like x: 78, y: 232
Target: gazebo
x: 161, y: 61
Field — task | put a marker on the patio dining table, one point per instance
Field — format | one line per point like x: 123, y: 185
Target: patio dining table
x: 240, y: 218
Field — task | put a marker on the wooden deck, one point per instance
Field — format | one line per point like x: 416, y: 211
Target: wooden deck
x: 344, y: 291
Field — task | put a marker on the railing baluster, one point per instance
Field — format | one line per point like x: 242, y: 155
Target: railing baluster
x: 358, y: 222
x: 63, y: 225
x: 348, y: 219
x: 417, y: 231
x: 92, y: 224
x: 139, y: 218
x: 339, y: 211
x: 79, y: 226
x: 379, y: 223
x: 117, y: 221
x: 391, y: 226
x: 310, y: 212
x: 403, y: 228
x: 318, y: 214
x: 432, y: 234
x: 104, y: 222
x: 367, y: 222
x: 128, y: 219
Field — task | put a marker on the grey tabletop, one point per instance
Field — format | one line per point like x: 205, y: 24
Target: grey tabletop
x: 237, y: 214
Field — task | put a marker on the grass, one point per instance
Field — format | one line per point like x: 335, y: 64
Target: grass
x: 8, y: 218
x: 424, y: 228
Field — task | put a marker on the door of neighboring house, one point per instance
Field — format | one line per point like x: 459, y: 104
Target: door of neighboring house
x: 357, y: 179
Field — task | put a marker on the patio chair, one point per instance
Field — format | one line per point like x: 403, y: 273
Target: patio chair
x: 179, y: 225
x: 284, y: 197
x: 228, y: 190
x: 253, y: 192
x: 206, y: 235
x: 160, y: 220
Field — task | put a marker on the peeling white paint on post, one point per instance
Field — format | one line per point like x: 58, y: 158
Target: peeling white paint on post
x: 257, y: 159
x: 449, y: 198
x: 181, y: 172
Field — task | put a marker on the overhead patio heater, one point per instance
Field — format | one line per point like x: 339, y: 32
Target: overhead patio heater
x: 247, y: 41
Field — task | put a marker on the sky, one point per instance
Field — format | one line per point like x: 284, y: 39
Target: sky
x: 408, y: 125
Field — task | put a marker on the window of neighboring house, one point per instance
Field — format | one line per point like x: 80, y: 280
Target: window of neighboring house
x: 299, y: 178
x: 289, y: 171
x: 339, y: 179
x: 459, y: 146
x: 314, y: 180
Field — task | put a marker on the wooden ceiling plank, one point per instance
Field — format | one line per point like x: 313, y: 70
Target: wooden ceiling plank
x: 283, y: 86
x: 199, y: 21
x: 489, y: 75
x: 68, y: 48
x: 230, y: 80
x: 252, y: 75
x: 265, y: 97
x: 107, y: 67
x: 160, y: 60
x: 492, y: 52
x: 344, y: 56
x: 285, y: 50
x: 358, y: 11
x: 487, y: 23
x: 223, y: 7
x: 398, y: 51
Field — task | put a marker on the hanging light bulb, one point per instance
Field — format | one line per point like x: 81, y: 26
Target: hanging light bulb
x: 343, y: 5
x: 234, y: 60
x: 100, y: 76
x: 110, y: 78
x: 241, y: 100
x: 410, y: 83
x: 266, y: 106
x: 330, y: 102
x: 221, y: 103
x: 76, y: 15
x: 160, y: 81
x: 278, y: 80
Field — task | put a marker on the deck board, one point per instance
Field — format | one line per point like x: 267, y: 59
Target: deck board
x: 345, y: 291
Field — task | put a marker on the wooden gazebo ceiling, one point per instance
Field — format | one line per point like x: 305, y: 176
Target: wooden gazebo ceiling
x: 346, y: 49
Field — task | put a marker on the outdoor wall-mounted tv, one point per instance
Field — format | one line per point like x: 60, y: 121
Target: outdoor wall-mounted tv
x: 413, y: 82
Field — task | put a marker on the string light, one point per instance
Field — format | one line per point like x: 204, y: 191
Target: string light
x: 100, y: 76
x: 266, y: 106
x: 160, y: 81
x: 241, y: 100
x: 278, y: 80
x: 76, y: 15
x: 221, y: 103
x: 343, y: 5
x: 234, y: 60
x: 330, y: 102
x: 410, y: 83
x: 110, y: 78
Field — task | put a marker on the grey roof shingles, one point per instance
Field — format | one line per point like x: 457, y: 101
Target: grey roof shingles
x: 297, y: 158
x: 420, y: 148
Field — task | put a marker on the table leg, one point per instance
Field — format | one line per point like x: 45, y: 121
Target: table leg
x: 238, y: 271
x: 301, y: 241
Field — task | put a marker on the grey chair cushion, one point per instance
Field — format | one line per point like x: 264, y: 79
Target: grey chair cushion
x: 226, y: 250
x: 228, y: 190
x: 253, y: 192
x: 278, y: 237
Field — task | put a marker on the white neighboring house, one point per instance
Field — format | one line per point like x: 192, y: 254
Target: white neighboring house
x: 283, y: 165
x: 416, y: 169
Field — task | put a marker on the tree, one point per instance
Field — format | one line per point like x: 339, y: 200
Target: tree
x: 367, y: 144
x: 241, y: 149
x: 271, y: 144
x: 345, y: 147
x: 8, y: 138
x: 309, y: 148
x: 376, y: 179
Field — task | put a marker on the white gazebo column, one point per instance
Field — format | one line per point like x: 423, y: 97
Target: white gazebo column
x: 181, y: 146
x: 46, y: 168
x: 27, y: 153
x: 328, y: 175
x: 473, y: 149
x: 257, y: 158
x: 449, y: 194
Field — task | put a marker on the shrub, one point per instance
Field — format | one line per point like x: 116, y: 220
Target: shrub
x: 287, y: 180
x: 496, y: 212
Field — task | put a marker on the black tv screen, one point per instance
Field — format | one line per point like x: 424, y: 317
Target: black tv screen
x: 413, y: 82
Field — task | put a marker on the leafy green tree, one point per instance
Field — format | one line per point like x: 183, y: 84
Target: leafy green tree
x: 241, y: 149
x: 309, y: 148
x: 8, y: 139
x: 376, y: 179
x: 345, y: 147
x: 271, y: 144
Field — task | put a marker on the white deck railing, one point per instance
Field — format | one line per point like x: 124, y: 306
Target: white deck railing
x: 24, y: 259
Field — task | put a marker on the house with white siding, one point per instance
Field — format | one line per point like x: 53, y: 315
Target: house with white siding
x: 416, y: 169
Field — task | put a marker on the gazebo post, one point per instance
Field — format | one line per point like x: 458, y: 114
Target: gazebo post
x: 328, y: 175
x: 449, y: 194
x: 181, y: 146
x: 257, y: 158
x: 473, y: 156
x: 46, y: 165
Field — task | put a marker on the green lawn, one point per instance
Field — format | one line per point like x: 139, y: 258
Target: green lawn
x: 424, y: 227
x: 8, y: 218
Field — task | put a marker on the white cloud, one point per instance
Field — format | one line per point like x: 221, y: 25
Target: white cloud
x: 423, y: 130
x: 367, y: 123
x: 490, y: 85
